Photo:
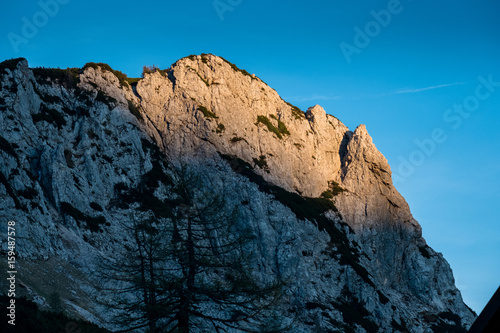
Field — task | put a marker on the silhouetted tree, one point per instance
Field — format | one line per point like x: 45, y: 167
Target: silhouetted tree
x: 149, y: 69
x: 183, y: 273
x: 134, y: 278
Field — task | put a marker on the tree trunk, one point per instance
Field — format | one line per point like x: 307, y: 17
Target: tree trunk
x: 186, y: 300
x: 144, y: 282
x: 152, y: 294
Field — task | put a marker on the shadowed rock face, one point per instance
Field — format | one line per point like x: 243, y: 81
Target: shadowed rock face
x: 202, y: 107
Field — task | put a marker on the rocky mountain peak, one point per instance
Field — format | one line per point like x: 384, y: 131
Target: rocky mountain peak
x: 316, y: 115
x: 317, y: 197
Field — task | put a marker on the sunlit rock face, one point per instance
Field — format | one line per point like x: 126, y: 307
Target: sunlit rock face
x: 74, y: 142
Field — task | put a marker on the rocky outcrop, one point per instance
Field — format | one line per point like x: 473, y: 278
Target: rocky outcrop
x: 74, y: 139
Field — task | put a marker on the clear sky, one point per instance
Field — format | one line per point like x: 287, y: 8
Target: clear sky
x: 398, y: 67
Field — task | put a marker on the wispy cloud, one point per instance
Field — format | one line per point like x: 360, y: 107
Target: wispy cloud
x: 416, y: 90
x: 312, y: 98
x: 317, y: 97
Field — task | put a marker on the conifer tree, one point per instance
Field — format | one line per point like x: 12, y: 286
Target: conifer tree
x: 189, y: 272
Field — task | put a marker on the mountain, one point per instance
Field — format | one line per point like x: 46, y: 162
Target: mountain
x: 318, y: 198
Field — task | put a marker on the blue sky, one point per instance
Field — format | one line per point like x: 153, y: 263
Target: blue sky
x: 402, y: 82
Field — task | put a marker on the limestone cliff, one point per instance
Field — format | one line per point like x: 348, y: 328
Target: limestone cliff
x: 72, y: 138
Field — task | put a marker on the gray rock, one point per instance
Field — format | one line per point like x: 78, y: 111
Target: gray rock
x: 72, y: 147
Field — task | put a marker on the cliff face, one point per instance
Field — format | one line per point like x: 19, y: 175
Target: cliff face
x: 68, y: 140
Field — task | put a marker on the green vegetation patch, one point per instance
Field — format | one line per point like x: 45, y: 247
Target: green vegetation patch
x: 327, y: 194
x: 220, y: 128
x: 242, y: 71
x: 7, y: 147
x: 91, y: 223
x: 154, y: 69
x: 133, y: 80
x: 335, y: 188
x: 122, y: 77
x: 264, y: 120
x: 10, y: 191
x: 155, y: 176
x: 69, y: 77
x: 279, y: 131
x: 9, y: 64
x: 237, y: 139
x: 261, y: 163
x: 153, y: 150
x: 134, y: 110
x: 106, y: 99
x: 206, y: 112
x: 281, y: 126
x: 354, y: 312
x: 50, y: 99
x: 28, y: 193
x: 144, y: 196
x: 204, y: 81
x: 297, y: 112
x: 204, y: 58
x: 49, y: 115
